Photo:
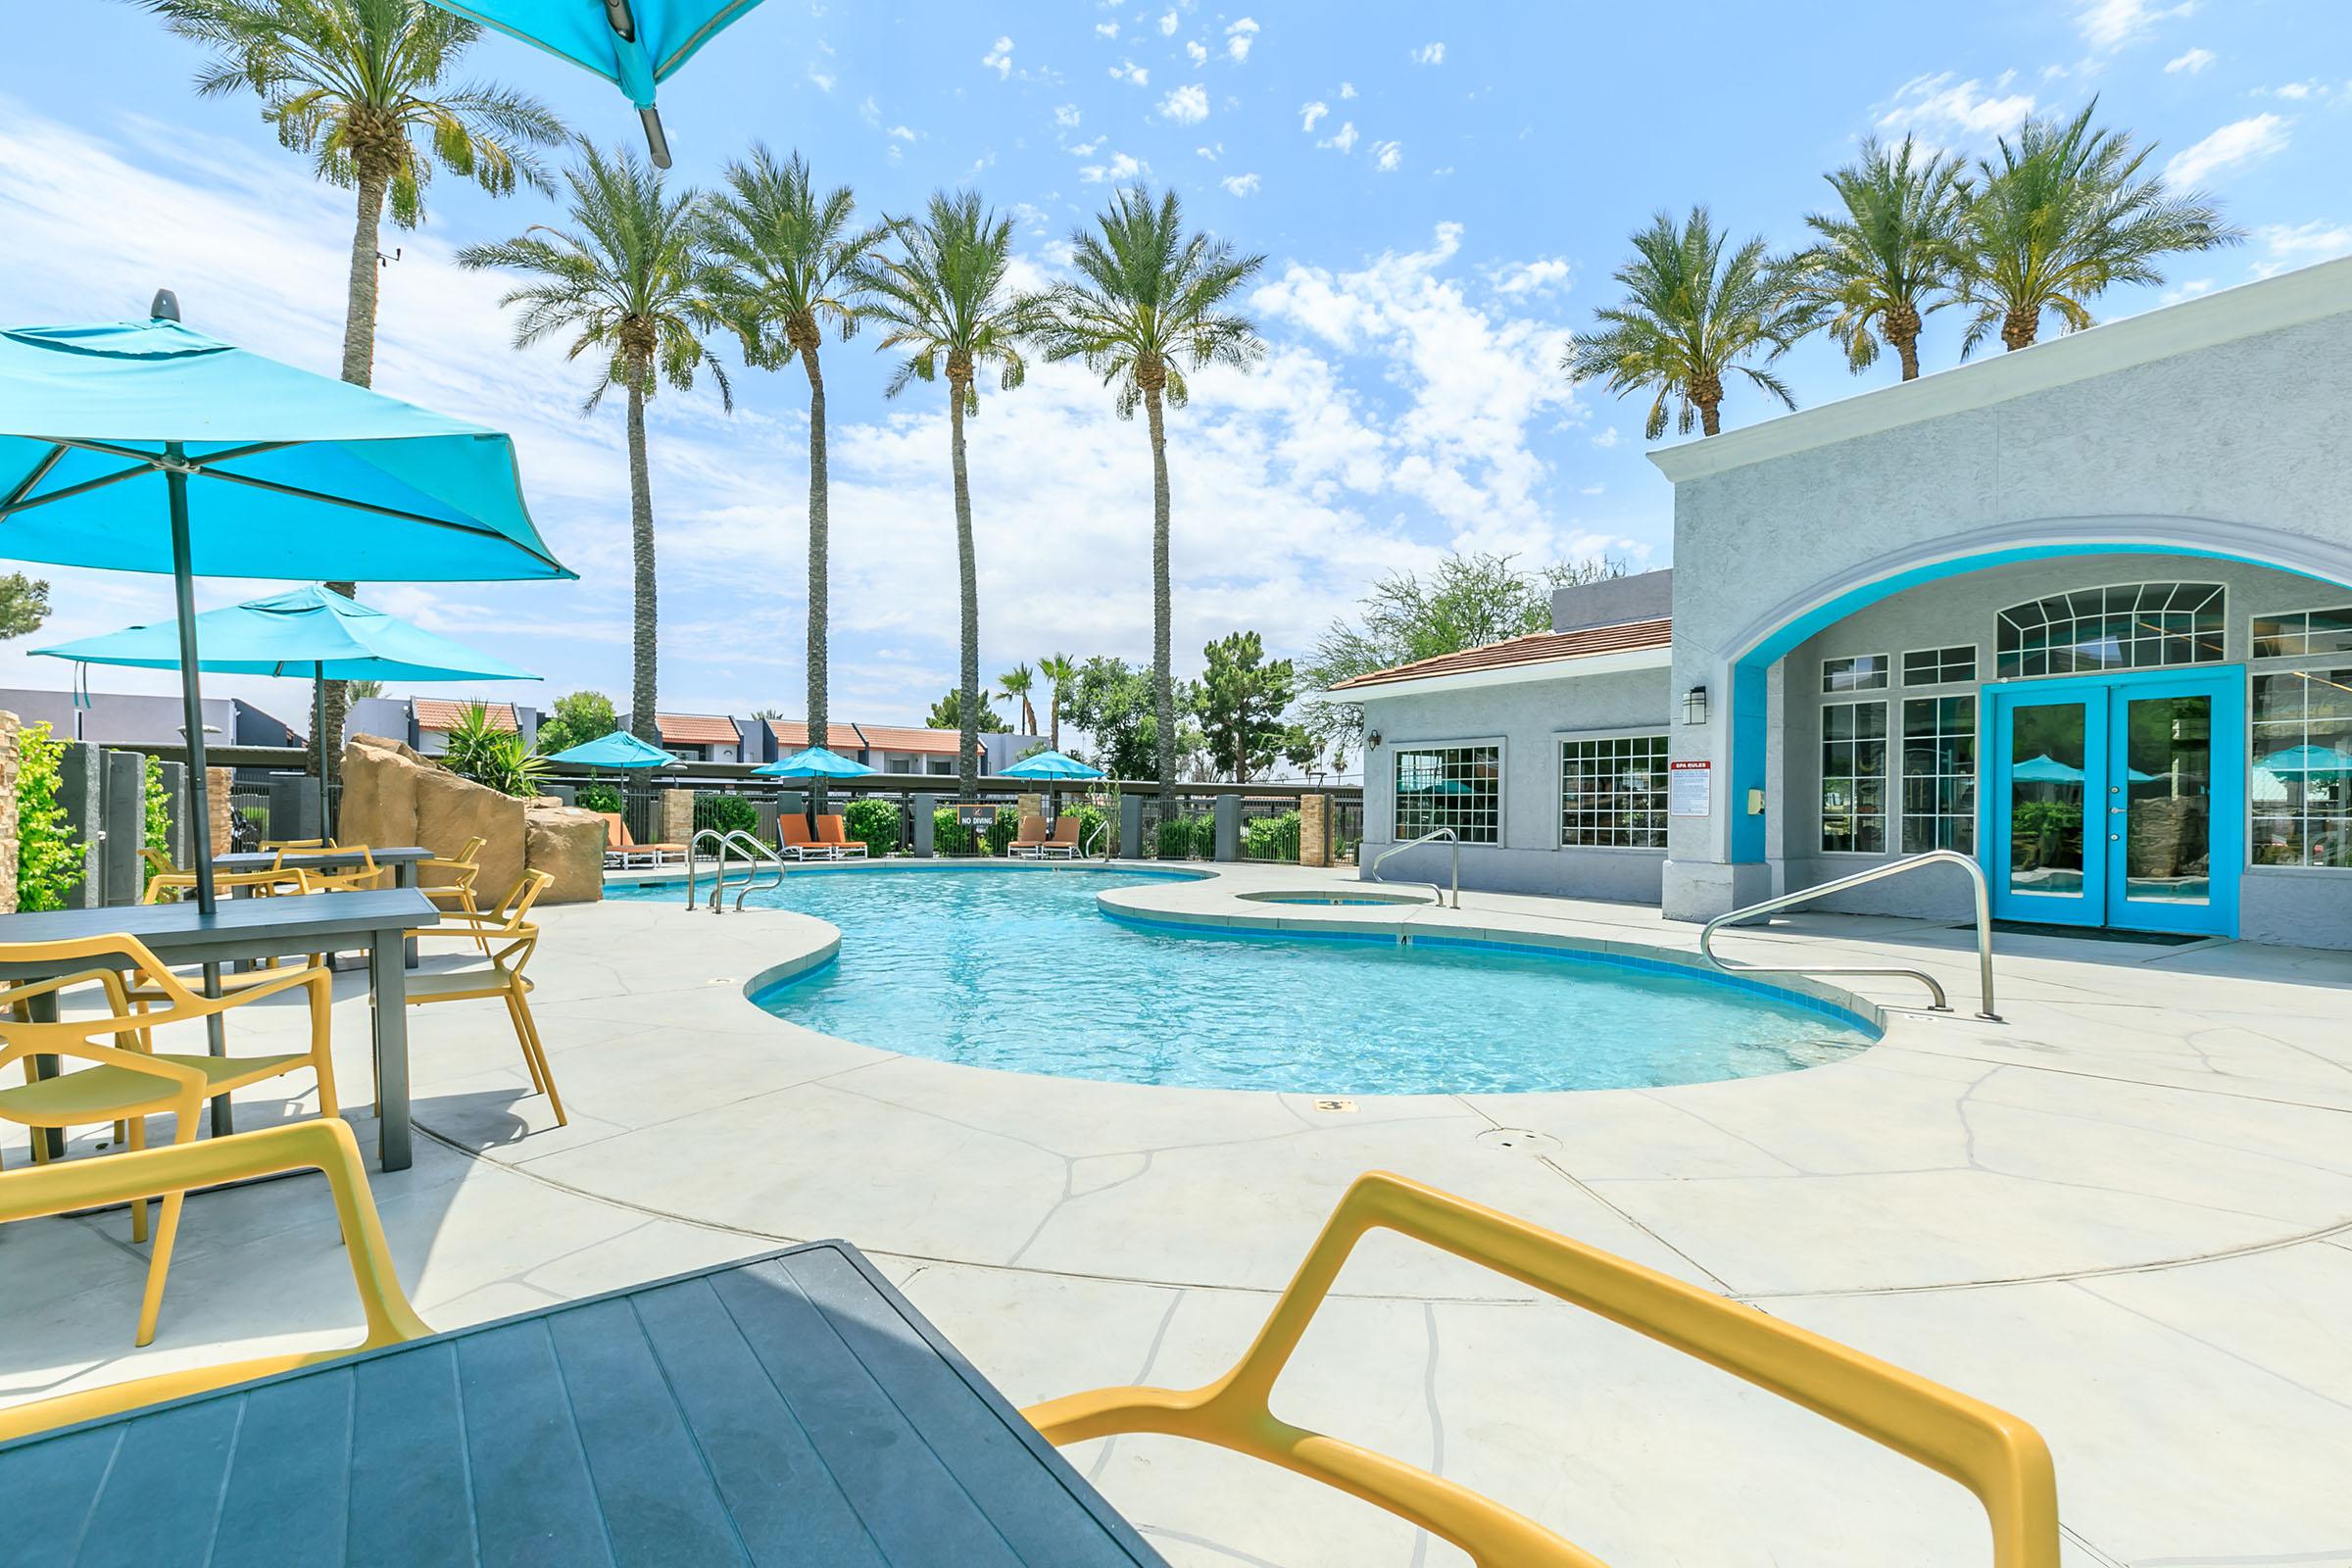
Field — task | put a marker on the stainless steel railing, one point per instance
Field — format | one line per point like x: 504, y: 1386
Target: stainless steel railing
x: 1975, y: 874
x: 754, y: 852
x: 1086, y: 851
x: 1435, y: 835
x: 694, y: 847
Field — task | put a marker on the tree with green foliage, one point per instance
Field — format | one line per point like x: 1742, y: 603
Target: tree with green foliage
x: 1302, y: 750
x: 1240, y: 701
x: 1017, y: 683
x: 2061, y: 214
x: 1151, y: 301
x: 788, y: 260
x: 574, y: 719
x: 362, y: 690
x: 1060, y: 671
x: 49, y: 857
x: 23, y: 605
x: 157, y: 827
x: 944, y: 301
x: 1691, y: 315
x: 948, y: 713
x: 1888, y: 256
x: 627, y: 282
x: 1112, y: 702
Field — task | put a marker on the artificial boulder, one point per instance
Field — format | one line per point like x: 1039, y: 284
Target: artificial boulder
x: 392, y: 794
x: 568, y: 845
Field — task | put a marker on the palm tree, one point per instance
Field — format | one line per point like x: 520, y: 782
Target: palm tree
x: 2062, y: 215
x: 1689, y: 317
x: 1060, y: 671
x: 1018, y: 682
x: 943, y: 300
x: 788, y: 259
x: 366, y: 88
x: 1151, y: 299
x: 1889, y: 259
x: 625, y: 282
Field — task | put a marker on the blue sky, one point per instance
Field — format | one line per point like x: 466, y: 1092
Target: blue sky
x: 1440, y: 194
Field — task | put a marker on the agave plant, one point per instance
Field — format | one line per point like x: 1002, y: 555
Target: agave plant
x: 497, y: 759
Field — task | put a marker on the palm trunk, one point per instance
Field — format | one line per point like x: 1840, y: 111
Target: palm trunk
x: 1710, y: 416
x: 332, y: 700
x: 643, y: 712
x: 2019, y: 328
x: 1902, y: 334
x: 1163, y: 680
x: 819, y: 610
x: 967, y: 565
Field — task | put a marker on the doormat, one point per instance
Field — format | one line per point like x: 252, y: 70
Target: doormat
x: 2092, y: 933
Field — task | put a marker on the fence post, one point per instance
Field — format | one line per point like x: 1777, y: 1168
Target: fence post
x: 294, y: 807
x: 1131, y: 827
x: 925, y: 808
x: 1227, y: 810
x: 125, y: 785
x: 678, y: 817
x: 81, y: 791
x: 217, y: 782
x: 1314, y: 830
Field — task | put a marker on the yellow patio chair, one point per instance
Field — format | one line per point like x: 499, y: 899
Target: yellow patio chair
x: 283, y: 845
x: 324, y: 1145
x: 503, y: 977
x: 257, y: 884
x: 362, y: 878
x: 1994, y: 1454
x: 454, y: 893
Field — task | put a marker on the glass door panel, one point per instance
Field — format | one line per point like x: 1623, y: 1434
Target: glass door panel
x: 2045, y: 747
x: 2163, y: 807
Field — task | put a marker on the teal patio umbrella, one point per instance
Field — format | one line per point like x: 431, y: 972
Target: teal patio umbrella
x: 816, y: 762
x: 2307, y: 760
x: 1051, y: 765
x: 620, y: 749
x: 634, y: 44
x: 312, y: 632
x: 143, y: 445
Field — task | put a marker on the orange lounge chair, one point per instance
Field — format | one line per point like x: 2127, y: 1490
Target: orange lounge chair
x: 1063, y: 844
x: 1029, y: 844
x: 622, y: 849
x: 833, y: 833
x: 792, y: 832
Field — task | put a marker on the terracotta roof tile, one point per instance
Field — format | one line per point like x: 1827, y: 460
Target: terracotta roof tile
x: 1538, y: 648
x: 444, y: 714
x: 905, y: 737
x: 698, y: 729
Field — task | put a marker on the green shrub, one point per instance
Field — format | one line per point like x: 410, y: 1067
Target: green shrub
x: 495, y: 757
x: 873, y: 823
x: 1271, y: 838
x: 159, y: 820
x: 1090, y: 818
x: 598, y: 798
x: 729, y: 814
x: 951, y: 837
x: 1188, y: 838
x: 49, y: 859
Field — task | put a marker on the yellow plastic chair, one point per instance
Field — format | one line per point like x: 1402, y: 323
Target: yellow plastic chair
x: 283, y: 845
x: 323, y: 1146
x: 503, y: 978
x: 168, y: 887
x: 1994, y: 1454
x: 366, y: 876
x: 454, y: 893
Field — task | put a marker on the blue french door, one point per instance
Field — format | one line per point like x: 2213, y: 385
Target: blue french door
x: 2119, y: 800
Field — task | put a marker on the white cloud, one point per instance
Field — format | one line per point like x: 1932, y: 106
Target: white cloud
x: 2113, y: 24
x: 1212, y: 154
x: 1388, y: 156
x: 1121, y: 167
x: 1342, y: 138
x: 1346, y: 90
x: 1106, y: 29
x: 1085, y: 149
x: 1187, y: 106
x: 1429, y: 54
x: 2189, y: 289
x: 900, y: 133
x: 2233, y: 146
x: 1129, y: 72
x: 1593, y: 489
x: 1308, y: 113
x: 2287, y: 245
x: 2295, y: 91
x: 2192, y: 62
x: 1545, y: 274
x: 999, y: 58
x: 1066, y: 116
x: 1936, y: 102
x: 1606, y: 439
x: 1240, y: 184
x: 824, y: 83
x: 1238, y: 39
x: 1167, y: 25
x: 1195, y: 51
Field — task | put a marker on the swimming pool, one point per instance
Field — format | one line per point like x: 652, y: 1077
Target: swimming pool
x: 1019, y: 970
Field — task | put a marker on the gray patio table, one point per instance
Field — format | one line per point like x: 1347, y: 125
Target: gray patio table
x: 266, y: 928
x: 402, y: 859
x: 792, y: 1409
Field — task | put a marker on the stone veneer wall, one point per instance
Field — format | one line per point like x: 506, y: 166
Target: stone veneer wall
x: 9, y: 726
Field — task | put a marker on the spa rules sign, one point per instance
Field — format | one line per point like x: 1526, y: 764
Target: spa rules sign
x: 1690, y: 788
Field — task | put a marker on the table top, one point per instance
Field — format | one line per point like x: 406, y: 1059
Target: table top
x: 268, y: 859
x: 236, y: 927
x: 794, y: 1409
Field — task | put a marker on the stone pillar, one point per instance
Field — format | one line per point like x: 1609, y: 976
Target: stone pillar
x: 294, y: 807
x: 1227, y: 813
x: 1314, y: 830
x: 1131, y: 827
x: 217, y: 782
x: 1032, y: 804
x: 674, y: 821
x: 925, y: 808
x: 9, y: 728
x: 124, y: 781
x: 81, y: 791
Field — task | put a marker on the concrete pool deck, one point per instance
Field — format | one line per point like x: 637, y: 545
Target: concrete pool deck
x: 2125, y: 1213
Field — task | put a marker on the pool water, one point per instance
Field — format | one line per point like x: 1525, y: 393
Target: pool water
x: 1019, y: 970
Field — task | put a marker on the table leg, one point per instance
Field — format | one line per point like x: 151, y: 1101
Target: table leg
x: 405, y: 875
x: 52, y: 1140
x: 388, y: 991
x: 215, y: 1040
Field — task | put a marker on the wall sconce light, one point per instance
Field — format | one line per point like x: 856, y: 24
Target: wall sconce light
x: 1371, y: 739
x: 1694, y: 705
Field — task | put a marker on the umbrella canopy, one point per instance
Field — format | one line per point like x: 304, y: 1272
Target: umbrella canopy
x: 814, y: 762
x: 142, y: 446
x: 1052, y: 764
x: 2044, y: 769
x: 633, y: 44
x: 313, y: 632
x: 2307, y: 760
x: 620, y: 749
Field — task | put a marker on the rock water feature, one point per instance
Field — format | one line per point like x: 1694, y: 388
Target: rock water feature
x: 392, y: 794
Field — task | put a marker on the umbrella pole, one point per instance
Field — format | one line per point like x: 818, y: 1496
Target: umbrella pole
x: 319, y: 739
x: 191, y: 693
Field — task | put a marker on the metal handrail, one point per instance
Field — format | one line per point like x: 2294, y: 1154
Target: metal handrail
x: 1086, y: 851
x: 1433, y: 835
x: 1975, y: 874
x: 753, y: 850
x: 693, y: 845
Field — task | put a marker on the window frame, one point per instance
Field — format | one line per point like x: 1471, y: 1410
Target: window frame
x: 2307, y: 612
x: 1886, y: 683
x: 2273, y: 665
x: 1503, y: 777
x: 1887, y: 774
x: 1898, y: 753
x: 2002, y: 611
x: 1975, y: 665
x: 1561, y: 738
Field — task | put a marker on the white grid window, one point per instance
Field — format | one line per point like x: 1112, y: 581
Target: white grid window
x: 1939, y: 666
x: 2148, y: 625
x: 2306, y: 631
x: 2302, y: 778
x: 1613, y: 792
x: 1459, y: 786
x: 1939, y: 774
x: 1863, y: 672
x: 1853, y: 777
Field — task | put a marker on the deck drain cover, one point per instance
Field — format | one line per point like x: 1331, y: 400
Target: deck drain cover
x: 1519, y: 1138
x: 1335, y: 1105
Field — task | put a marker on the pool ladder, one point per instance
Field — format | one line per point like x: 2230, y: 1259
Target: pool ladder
x: 1975, y: 874
x: 754, y: 854
x: 1434, y: 836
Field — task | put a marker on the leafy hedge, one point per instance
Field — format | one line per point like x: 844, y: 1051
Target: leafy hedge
x: 598, y: 798
x: 951, y: 837
x: 729, y: 814
x: 874, y: 823
x: 1271, y: 838
x: 48, y: 856
x: 1188, y: 838
x: 159, y: 820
